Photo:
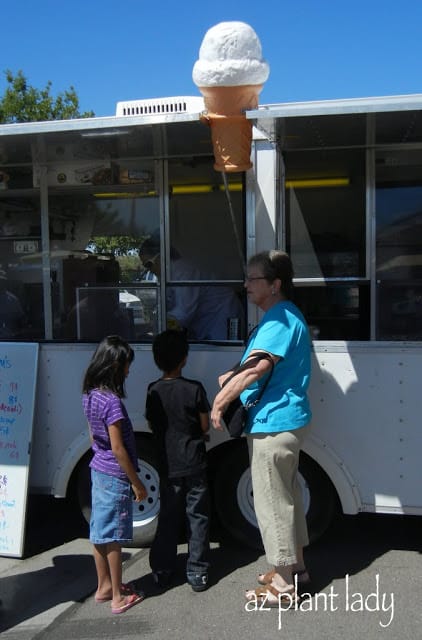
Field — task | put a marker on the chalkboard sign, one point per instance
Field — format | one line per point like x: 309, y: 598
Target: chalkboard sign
x: 18, y: 376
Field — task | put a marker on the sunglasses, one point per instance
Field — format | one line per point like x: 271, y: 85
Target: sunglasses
x: 252, y: 278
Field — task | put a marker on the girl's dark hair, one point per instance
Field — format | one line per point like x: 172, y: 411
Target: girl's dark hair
x: 170, y: 348
x: 107, y: 367
x: 274, y: 265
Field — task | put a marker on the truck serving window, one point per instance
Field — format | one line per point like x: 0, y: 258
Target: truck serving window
x: 205, y: 291
x: 326, y: 226
x: 21, y: 296
x: 75, y: 211
x: 398, y: 242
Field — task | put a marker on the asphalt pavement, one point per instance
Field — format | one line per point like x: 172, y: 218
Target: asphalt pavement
x: 366, y: 570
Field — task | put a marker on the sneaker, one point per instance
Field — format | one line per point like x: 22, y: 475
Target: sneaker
x: 198, y: 581
x: 162, y: 578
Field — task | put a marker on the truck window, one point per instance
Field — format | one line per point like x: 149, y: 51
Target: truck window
x: 104, y: 200
x: 95, y: 266
x: 202, y: 269
x: 326, y: 226
x: 21, y: 296
x: 205, y: 270
x: 398, y: 242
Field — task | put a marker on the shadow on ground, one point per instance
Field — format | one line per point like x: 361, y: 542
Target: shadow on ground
x: 353, y: 543
x: 51, y: 522
x: 30, y: 593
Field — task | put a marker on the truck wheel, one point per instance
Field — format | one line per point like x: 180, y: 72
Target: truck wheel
x: 233, y: 497
x: 145, y: 513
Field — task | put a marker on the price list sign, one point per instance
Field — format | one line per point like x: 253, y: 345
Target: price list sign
x: 18, y: 376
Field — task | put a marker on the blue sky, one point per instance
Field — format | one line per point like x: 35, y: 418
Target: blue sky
x: 127, y: 49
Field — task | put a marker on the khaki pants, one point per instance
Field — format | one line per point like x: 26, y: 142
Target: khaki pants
x: 277, y: 496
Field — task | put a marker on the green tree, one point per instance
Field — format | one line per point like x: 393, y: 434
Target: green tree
x: 117, y: 245
x: 23, y: 103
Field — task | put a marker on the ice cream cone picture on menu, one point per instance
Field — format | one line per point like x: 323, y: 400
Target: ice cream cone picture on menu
x: 230, y: 74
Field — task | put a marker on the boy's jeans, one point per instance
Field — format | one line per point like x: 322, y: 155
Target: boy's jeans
x: 180, y: 499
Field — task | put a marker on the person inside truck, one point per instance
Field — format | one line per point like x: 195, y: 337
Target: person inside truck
x: 204, y: 311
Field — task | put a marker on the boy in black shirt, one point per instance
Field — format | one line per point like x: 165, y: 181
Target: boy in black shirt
x: 177, y: 413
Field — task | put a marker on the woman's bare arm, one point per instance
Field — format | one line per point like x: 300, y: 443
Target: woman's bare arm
x: 241, y: 381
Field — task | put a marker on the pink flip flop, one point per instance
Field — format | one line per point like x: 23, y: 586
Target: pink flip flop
x: 125, y: 590
x: 130, y: 601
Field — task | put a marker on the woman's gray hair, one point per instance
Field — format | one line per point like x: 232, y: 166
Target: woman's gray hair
x: 274, y: 265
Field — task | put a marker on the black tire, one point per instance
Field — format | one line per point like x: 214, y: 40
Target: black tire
x: 145, y: 513
x: 319, y: 496
x: 233, y: 496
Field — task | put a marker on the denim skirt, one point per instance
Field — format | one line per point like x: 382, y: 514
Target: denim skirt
x: 111, y: 515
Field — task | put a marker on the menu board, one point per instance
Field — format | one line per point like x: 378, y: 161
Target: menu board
x: 18, y: 376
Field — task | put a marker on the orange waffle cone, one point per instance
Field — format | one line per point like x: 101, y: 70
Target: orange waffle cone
x: 231, y: 138
x: 231, y: 101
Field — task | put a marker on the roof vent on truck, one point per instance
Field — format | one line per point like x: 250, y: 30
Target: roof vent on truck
x: 160, y: 106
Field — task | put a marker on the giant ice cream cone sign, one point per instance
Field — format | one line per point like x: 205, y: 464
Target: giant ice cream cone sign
x: 230, y: 74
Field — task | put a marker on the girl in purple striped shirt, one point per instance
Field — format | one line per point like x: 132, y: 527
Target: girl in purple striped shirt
x: 113, y: 469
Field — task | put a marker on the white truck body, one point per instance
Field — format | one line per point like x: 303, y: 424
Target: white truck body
x: 364, y: 449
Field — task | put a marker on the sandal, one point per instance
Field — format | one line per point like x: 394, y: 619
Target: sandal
x: 128, y: 603
x: 125, y: 590
x: 266, y: 578
x: 280, y: 600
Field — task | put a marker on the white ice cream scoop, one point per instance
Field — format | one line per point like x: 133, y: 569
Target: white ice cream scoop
x: 230, y: 55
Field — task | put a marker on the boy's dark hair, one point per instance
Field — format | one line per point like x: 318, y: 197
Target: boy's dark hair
x: 170, y: 348
x: 107, y: 367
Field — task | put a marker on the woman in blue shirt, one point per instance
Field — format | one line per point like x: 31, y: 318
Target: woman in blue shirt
x: 277, y: 425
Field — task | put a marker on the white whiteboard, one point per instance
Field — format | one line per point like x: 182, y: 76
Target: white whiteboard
x: 18, y: 376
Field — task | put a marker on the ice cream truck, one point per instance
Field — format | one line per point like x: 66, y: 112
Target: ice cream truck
x: 337, y: 184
